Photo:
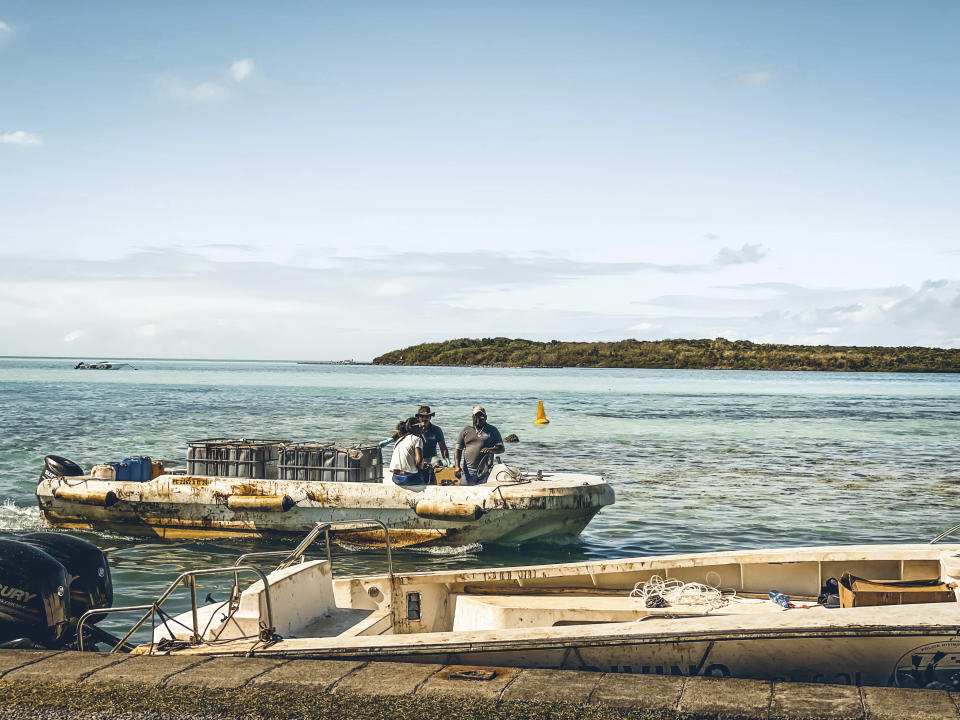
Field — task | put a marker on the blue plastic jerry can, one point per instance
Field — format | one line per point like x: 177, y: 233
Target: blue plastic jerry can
x: 140, y: 468
x: 136, y: 471
x: 123, y: 471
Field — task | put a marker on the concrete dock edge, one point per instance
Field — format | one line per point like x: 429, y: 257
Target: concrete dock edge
x: 41, y: 684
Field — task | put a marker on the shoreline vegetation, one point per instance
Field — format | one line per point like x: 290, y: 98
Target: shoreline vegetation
x: 718, y: 354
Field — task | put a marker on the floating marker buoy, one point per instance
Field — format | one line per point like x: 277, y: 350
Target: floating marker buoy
x: 541, y: 415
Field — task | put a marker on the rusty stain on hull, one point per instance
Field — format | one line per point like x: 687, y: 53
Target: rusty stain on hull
x: 400, y: 537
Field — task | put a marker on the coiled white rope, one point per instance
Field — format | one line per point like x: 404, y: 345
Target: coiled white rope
x: 657, y: 593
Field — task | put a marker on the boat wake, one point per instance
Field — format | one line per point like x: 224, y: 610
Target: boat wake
x: 14, y: 517
x: 436, y: 550
x: 448, y: 550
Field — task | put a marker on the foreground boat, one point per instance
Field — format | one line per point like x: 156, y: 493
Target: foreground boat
x: 586, y: 616
x: 509, y: 509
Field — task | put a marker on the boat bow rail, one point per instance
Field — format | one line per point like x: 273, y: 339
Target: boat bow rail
x: 154, y: 609
x: 324, y: 528
x: 266, y: 627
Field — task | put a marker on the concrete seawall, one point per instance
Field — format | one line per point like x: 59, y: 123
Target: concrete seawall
x: 46, y: 684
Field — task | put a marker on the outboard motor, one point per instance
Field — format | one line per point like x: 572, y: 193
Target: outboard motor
x: 56, y: 466
x: 87, y: 569
x: 34, y: 596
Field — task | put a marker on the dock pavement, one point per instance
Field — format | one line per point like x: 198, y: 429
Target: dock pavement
x: 49, y: 685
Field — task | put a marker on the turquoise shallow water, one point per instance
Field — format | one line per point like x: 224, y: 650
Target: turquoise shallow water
x: 700, y: 460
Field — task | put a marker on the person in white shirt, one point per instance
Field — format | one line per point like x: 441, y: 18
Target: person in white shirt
x: 407, y: 464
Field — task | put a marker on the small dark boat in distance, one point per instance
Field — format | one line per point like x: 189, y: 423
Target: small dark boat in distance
x: 102, y: 365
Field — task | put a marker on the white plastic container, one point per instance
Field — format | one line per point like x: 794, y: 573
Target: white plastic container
x: 104, y: 472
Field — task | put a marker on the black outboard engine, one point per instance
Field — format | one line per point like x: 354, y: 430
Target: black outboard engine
x: 56, y: 466
x: 87, y: 569
x: 34, y: 595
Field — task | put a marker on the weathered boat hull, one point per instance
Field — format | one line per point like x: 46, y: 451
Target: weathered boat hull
x: 906, y: 657
x: 179, y: 506
x: 581, y: 616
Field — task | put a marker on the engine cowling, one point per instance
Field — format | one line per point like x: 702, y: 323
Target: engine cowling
x: 88, y: 571
x: 61, y: 467
x: 34, y: 595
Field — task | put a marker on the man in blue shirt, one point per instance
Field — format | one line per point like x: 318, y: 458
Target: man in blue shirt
x: 432, y: 436
x: 476, y: 446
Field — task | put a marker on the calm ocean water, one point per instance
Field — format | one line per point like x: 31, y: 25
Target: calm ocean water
x: 700, y: 460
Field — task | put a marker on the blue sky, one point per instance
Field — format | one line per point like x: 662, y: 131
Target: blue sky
x: 211, y: 179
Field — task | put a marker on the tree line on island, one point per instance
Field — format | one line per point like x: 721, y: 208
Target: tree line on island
x: 718, y: 354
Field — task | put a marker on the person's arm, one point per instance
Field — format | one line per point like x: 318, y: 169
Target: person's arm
x: 441, y: 443
x: 418, y: 453
x: 458, y: 451
x: 494, y: 437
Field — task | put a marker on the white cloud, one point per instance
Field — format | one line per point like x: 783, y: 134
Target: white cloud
x: 897, y: 315
x: 20, y: 137
x: 747, y: 254
x: 241, y: 69
x: 4, y: 27
x: 361, y: 304
x: 392, y: 289
x: 757, y: 78
x: 178, y: 89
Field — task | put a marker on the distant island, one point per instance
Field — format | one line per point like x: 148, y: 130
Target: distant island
x: 718, y: 354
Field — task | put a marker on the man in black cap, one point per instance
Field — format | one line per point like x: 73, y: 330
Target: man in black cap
x: 432, y: 436
x: 476, y: 447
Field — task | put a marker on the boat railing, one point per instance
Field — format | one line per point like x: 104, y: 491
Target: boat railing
x: 945, y: 533
x: 188, y: 579
x: 267, y: 631
x: 324, y: 528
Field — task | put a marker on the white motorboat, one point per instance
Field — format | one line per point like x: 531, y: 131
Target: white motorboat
x: 101, y: 365
x: 707, y: 614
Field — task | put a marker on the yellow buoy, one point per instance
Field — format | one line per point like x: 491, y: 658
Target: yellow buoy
x: 541, y: 415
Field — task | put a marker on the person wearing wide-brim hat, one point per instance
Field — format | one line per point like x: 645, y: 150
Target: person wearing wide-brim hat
x: 432, y: 436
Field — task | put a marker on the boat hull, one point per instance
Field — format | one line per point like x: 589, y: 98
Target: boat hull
x: 873, y: 656
x: 585, y: 616
x: 179, y: 506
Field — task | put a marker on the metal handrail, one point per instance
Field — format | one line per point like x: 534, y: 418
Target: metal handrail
x: 290, y: 558
x: 107, y: 611
x: 324, y: 527
x: 188, y: 576
x: 944, y: 534
x: 268, y: 553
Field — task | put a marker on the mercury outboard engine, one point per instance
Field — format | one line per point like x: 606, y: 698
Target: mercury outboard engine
x: 89, y: 574
x: 56, y: 466
x: 34, y: 595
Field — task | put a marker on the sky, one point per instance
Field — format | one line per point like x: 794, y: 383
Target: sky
x: 317, y: 180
